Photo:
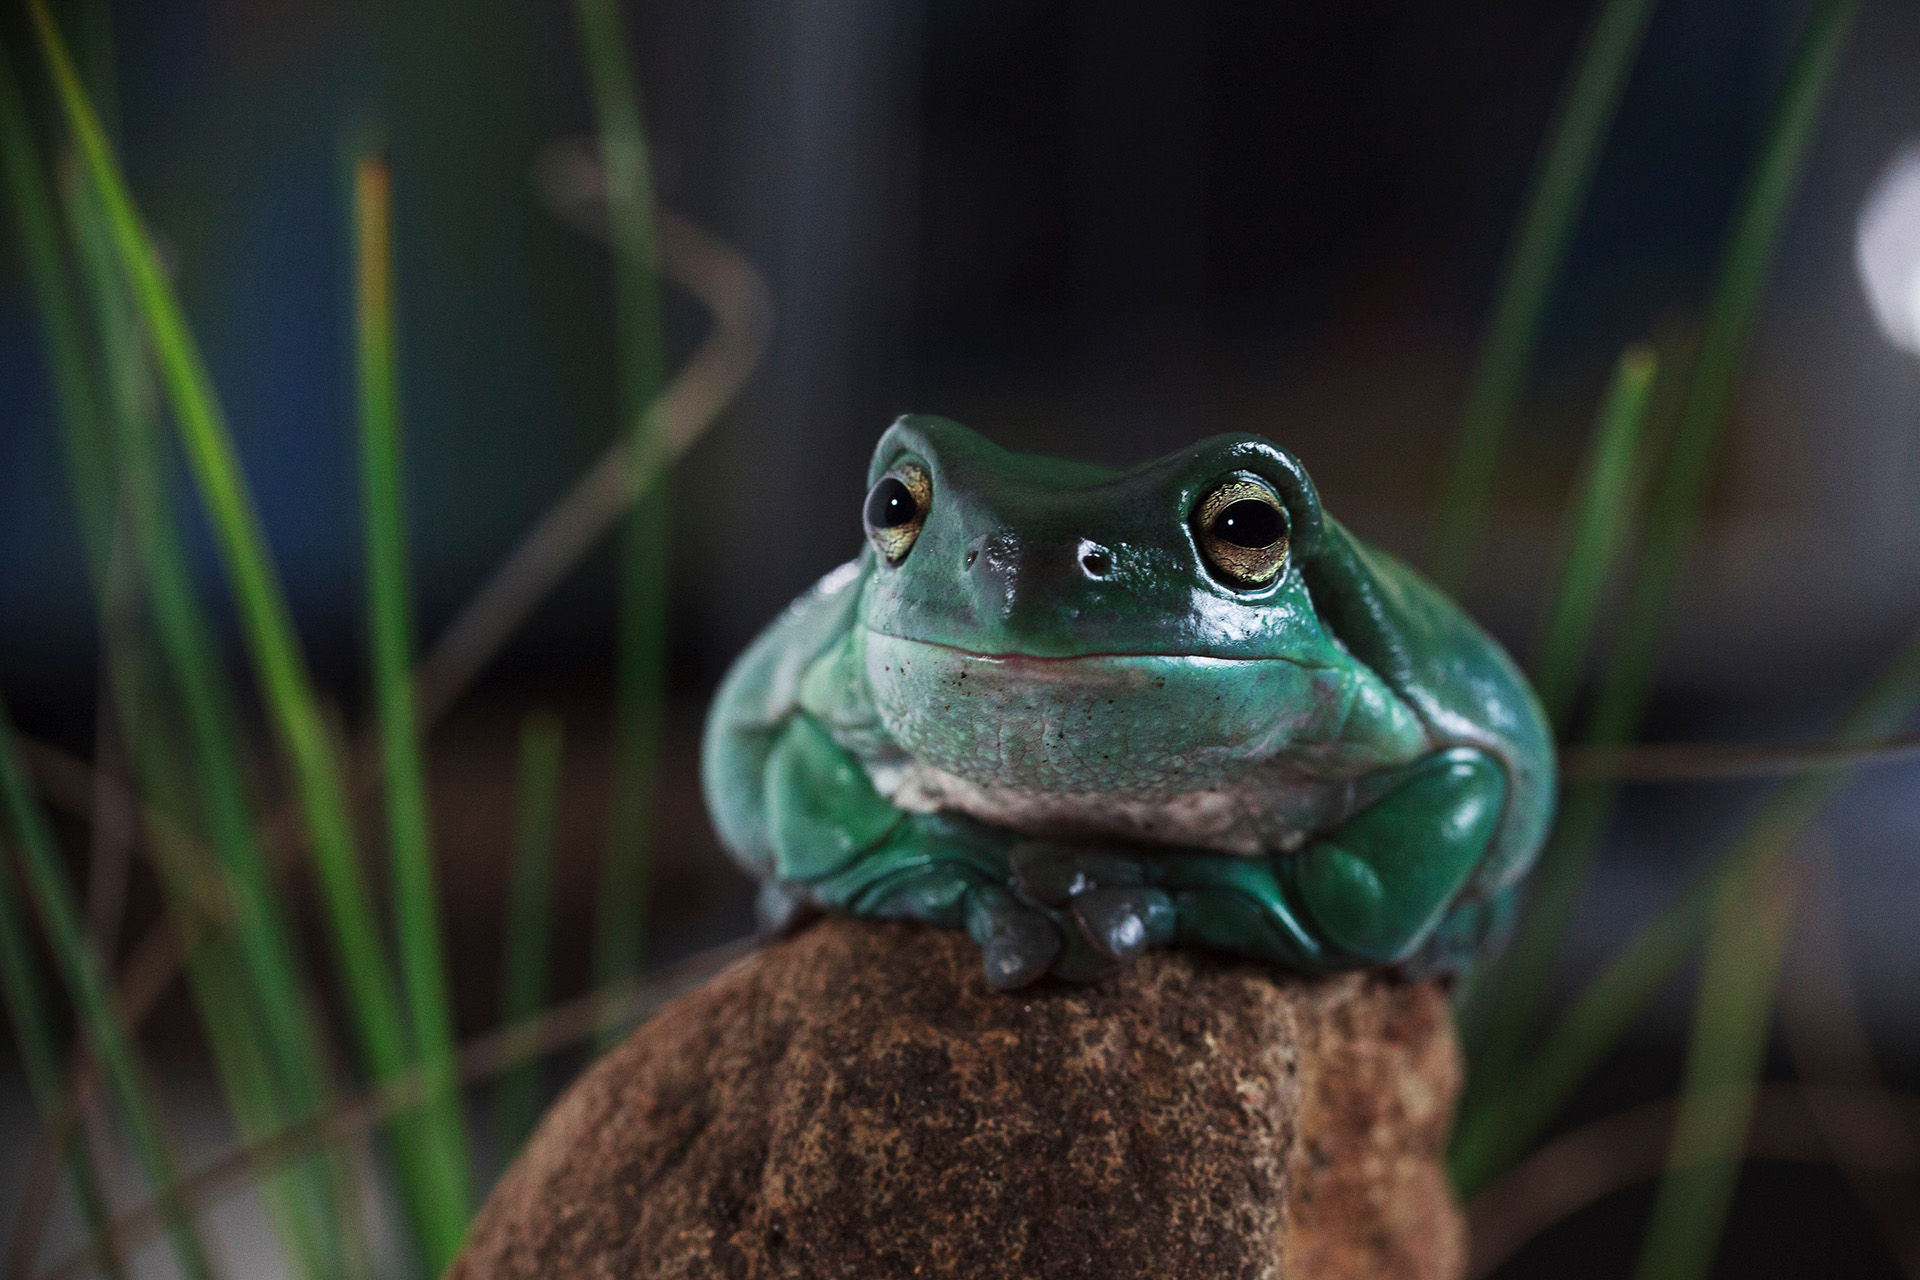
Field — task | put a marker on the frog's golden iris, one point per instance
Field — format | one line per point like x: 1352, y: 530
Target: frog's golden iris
x: 895, y: 510
x: 1241, y: 527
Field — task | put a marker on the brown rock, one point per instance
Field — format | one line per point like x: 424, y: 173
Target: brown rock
x: 856, y: 1102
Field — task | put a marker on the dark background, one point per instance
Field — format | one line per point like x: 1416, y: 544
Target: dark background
x: 1096, y: 228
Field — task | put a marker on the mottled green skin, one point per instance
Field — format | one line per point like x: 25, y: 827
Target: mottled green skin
x: 1052, y: 725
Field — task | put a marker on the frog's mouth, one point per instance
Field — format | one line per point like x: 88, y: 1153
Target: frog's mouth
x: 1044, y: 661
x: 1141, y: 723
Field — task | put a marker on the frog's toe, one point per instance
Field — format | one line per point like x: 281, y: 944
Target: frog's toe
x: 1057, y: 874
x: 1121, y: 923
x: 1017, y: 943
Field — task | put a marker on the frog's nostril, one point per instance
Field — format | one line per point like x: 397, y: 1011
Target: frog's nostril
x: 1095, y: 560
x: 972, y: 555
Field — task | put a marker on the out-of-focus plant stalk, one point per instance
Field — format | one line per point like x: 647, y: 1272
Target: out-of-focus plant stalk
x: 433, y: 1198
x: 268, y: 1003
x: 82, y: 429
x: 87, y: 401
x: 33, y: 1033
x: 1674, y: 517
x: 390, y: 624
x: 92, y: 997
x: 620, y: 932
x: 1491, y: 1137
x: 1562, y: 177
x: 1752, y: 912
x: 529, y: 919
x: 1672, y: 522
x: 1597, y: 530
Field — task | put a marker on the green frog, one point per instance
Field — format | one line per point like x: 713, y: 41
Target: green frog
x: 1081, y: 712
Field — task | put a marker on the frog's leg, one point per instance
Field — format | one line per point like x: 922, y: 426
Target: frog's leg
x: 844, y: 846
x: 1379, y: 885
x: 1369, y: 892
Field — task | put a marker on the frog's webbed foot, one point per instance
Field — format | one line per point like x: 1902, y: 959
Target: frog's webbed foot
x: 1101, y: 930
x: 1034, y: 909
x: 1017, y: 943
x: 1116, y: 905
x: 1099, y: 903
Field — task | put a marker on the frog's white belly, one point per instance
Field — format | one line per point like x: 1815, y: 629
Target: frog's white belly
x: 1257, y: 813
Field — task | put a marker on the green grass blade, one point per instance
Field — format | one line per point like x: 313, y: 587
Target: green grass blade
x: 1506, y: 1006
x: 33, y: 1033
x: 1492, y: 1137
x: 631, y: 214
x: 87, y: 985
x: 276, y: 991
x: 1562, y: 177
x: 390, y: 624
x: 523, y: 990
x: 620, y: 942
x: 235, y: 1030
x: 91, y: 468
x: 217, y: 983
x: 1497, y: 1014
x: 1596, y: 534
x: 197, y: 901
x: 219, y: 991
x: 1745, y: 265
x: 68, y: 373
x: 433, y: 1198
x: 1672, y: 521
x: 1753, y: 910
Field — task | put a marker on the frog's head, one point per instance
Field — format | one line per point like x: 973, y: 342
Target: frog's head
x: 1045, y: 624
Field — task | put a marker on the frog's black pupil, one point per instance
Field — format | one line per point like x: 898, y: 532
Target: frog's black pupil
x: 1248, y: 523
x: 891, y: 504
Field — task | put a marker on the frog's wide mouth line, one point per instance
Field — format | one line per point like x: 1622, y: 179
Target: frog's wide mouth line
x: 1044, y: 660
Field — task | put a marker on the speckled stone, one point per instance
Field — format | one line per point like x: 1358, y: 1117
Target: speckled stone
x: 855, y: 1102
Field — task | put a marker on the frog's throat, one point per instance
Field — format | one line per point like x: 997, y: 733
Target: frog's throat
x: 1147, y: 727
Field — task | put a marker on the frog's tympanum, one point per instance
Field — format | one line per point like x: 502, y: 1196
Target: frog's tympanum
x: 1081, y: 712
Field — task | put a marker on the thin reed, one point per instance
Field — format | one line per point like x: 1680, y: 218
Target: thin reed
x: 1671, y: 519
x: 40, y: 1056
x: 640, y: 663
x: 88, y: 987
x: 415, y: 894
x: 432, y: 1173
x: 124, y: 364
x: 1562, y: 178
x: 523, y: 989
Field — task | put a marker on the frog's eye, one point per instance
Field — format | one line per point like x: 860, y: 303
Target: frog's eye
x: 1242, y: 531
x: 896, y: 508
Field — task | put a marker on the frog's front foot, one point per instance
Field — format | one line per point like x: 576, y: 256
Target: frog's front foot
x: 1077, y: 928
x: 1034, y: 908
x: 1101, y: 905
x: 1087, y: 939
x: 1017, y: 943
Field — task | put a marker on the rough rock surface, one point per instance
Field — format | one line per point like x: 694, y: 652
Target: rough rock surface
x: 856, y: 1102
